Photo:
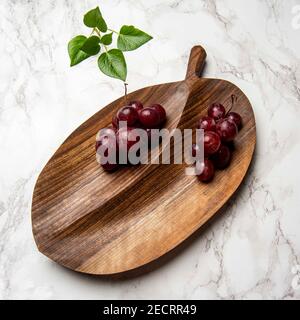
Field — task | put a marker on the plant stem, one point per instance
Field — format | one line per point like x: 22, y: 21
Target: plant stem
x: 125, y: 87
x: 113, y: 31
x: 98, y: 32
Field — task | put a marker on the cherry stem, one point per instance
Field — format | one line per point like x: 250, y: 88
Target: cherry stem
x: 125, y: 87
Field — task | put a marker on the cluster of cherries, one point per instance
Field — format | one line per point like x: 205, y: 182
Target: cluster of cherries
x: 220, y: 129
x: 118, y: 137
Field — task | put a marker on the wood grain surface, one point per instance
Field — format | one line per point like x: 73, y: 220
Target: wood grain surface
x: 104, y: 223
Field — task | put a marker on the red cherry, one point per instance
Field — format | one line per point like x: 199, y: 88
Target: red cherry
x: 208, y: 171
x: 226, y: 129
x: 136, y: 105
x: 236, y: 118
x: 149, y: 117
x: 128, y: 114
x: 161, y: 111
x: 222, y: 157
x: 207, y: 124
x: 216, y: 111
x: 212, y: 143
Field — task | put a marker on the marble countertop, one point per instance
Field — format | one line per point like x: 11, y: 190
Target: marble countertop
x: 252, y: 250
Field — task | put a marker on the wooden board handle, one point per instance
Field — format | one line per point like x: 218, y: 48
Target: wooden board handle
x: 196, y: 62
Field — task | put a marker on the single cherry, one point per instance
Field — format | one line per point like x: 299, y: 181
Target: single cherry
x: 216, y: 111
x: 128, y: 114
x: 236, y: 118
x: 136, y: 105
x: 149, y: 117
x: 222, y: 157
x: 226, y: 129
x: 208, y: 170
x: 212, y: 143
x: 207, y: 124
x: 161, y: 111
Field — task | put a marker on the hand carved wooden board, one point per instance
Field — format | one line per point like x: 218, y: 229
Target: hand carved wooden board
x: 104, y: 223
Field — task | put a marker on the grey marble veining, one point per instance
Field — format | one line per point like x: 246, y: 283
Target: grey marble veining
x: 253, y: 248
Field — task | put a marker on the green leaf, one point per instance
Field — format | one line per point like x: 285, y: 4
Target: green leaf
x: 94, y: 19
x: 91, y: 45
x: 131, y: 38
x: 74, y: 49
x: 107, y: 39
x: 113, y: 64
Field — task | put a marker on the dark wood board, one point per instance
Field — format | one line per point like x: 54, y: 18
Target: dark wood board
x: 104, y: 223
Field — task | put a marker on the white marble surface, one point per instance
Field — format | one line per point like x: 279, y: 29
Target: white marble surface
x: 250, y: 250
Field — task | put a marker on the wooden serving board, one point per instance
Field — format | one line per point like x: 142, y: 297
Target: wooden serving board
x: 104, y: 223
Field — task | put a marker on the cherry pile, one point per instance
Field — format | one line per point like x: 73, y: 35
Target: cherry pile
x: 115, y: 138
x: 220, y: 129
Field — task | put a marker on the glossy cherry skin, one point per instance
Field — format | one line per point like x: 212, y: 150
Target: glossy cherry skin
x: 149, y: 118
x: 207, y: 124
x: 161, y: 111
x: 222, y: 157
x: 212, y: 143
x: 208, y: 171
x: 236, y: 118
x: 128, y: 114
x: 216, y: 111
x: 136, y: 105
x: 227, y: 130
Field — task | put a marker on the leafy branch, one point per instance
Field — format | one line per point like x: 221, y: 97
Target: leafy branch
x: 112, y: 61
